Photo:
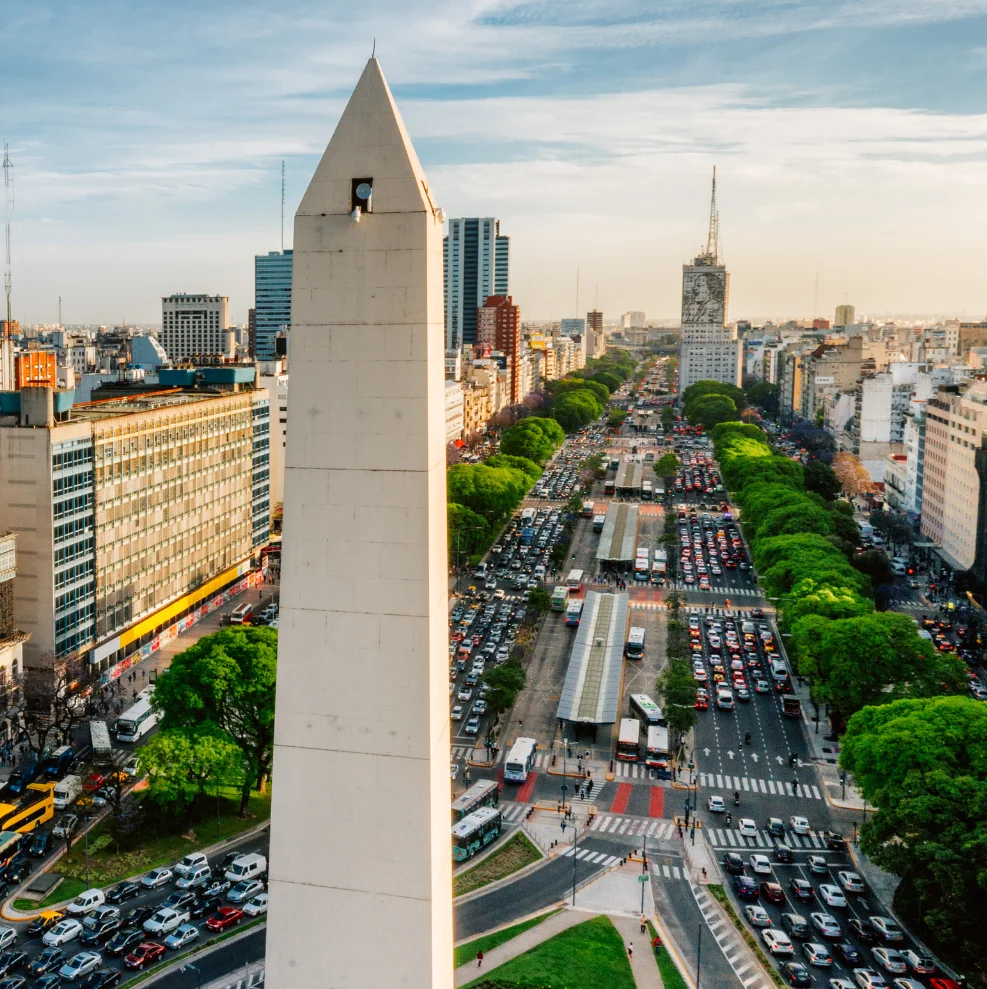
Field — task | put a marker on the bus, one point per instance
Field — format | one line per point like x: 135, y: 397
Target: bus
x: 137, y: 721
x: 642, y: 569
x: 634, y: 649
x: 588, y: 507
x: 629, y: 740
x: 599, y: 521
x: 658, y: 572
x: 33, y: 808
x: 647, y: 710
x: 647, y: 489
x: 474, y: 832
x: 519, y: 760
x: 573, y: 579
x: 102, y: 747
x: 560, y: 597
x: 10, y: 845
x: 573, y: 613
x: 657, y: 755
x: 609, y: 486
x: 242, y: 614
x: 483, y: 793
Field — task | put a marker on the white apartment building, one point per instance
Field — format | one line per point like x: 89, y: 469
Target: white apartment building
x: 632, y: 320
x: 273, y: 378
x: 454, y: 411
x: 709, y: 349
x: 194, y: 325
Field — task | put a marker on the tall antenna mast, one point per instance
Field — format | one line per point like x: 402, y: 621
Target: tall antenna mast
x: 60, y: 312
x: 577, y: 291
x: 282, y: 205
x: 8, y: 208
x: 713, y: 237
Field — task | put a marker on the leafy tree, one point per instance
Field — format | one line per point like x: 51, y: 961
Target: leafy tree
x: 534, y: 439
x: 821, y: 478
x: 609, y: 380
x: 505, y: 683
x: 539, y: 599
x: 667, y: 465
x: 616, y: 417
x: 799, y: 517
x: 575, y: 409
x: 764, y: 395
x: 710, y: 410
x: 469, y: 533
x: 492, y: 492
x: 677, y: 689
x: 877, y: 566
x: 563, y: 385
x: 702, y: 389
x: 225, y: 683
x: 529, y: 468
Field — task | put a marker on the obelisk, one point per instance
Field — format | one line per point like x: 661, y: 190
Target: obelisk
x: 361, y: 881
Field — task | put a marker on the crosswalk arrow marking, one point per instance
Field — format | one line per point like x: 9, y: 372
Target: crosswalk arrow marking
x: 754, y: 756
x: 730, y: 753
x: 706, y: 751
x: 779, y: 759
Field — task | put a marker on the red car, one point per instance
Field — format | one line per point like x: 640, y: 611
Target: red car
x: 943, y: 984
x: 772, y: 892
x: 94, y: 782
x: 224, y: 917
x: 144, y: 954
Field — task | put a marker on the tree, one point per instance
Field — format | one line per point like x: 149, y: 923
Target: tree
x: 534, y: 438
x: 226, y: 681
x: 616, y: 417
x: 702, y: 389
x: 539, y: 599
x: 877, y: 566
x: 821, y: 478
x: 852, y: 474
x: 667, y: 465
x: 492, y: 492
x: 710, y: 410
x: 468, y: 532
x: 505, y: 683
x: 764, y: 395
x: 677, y: 689
x: 575, y: 409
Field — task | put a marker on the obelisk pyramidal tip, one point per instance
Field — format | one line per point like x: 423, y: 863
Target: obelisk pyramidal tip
x: 360, y: 842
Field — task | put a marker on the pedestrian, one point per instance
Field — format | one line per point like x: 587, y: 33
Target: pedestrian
x: 630, y: 949
x: 479, y: 958
x: 643, y: 923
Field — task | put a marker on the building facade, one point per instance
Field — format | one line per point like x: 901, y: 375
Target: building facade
x: 454, y: 411
x: 476, y: 261
x: 194, y: 325
x: 845, y: 316
x: 709, y: 349
x: 272, y: 301
x: 498, y: 324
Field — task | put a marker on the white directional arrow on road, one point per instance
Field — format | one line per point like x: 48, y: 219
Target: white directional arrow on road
x: 705, y: 751
x: 754, y: 756
x: 730, y: 753
x: 780, y: 760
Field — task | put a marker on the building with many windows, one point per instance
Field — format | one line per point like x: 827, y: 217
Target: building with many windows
x: 12, y: 639
x: 475, y: 258
x: 498, y: 325
x: 272, y: 301
x: 194, y: 325
x: 131, y: 511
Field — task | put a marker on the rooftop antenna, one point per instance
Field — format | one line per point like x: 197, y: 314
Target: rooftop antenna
x: 577, y: 290
x: 8, y: 208
x: 373, y: 51
x: 713, y: 237
x: 60, y: 312
x: 282, y: 205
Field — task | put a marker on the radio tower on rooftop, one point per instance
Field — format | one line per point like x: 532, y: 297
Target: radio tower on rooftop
x: 7, y: 338
x: 712, y: 252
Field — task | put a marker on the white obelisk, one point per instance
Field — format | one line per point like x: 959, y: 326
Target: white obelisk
x: 361, y: 885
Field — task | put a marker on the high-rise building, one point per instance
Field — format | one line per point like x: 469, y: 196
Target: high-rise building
x: 709, y: 350
x: 475, y: 259
x: 596, y: 341
x: 8, y: 330
x: 498, y: 323
x: 194, y: 325
x: 132, y: 511
x: 35, y: 368
x: 632, y: 320
x: 272, y: 301
x: 845, y: 316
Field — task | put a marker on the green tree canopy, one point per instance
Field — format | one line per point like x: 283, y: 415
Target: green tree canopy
x: 709, y: 411
x: 505, y: 683
x: 877, y: 566
x: 702, y: 389
x: 575, y: 409
x: 527, y: 467
x: 667, y: 465
x: 468, y: 532
x: 676, y: 688
x: 534, y: 438
x: 822, y: 479
x: 563, y: 385
x: 492, y: 492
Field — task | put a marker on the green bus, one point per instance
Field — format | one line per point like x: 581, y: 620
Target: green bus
x: 474, y: 832
x: 560, y: 597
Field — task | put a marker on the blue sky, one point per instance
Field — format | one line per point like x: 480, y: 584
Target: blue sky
x: 850, y: 139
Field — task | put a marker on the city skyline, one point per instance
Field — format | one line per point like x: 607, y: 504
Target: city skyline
x: 141, y: 176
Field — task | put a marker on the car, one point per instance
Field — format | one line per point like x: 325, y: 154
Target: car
x: 164, y: 921
x: 204, y: 905
x: 457, y: 712
x: 800, y: 825
x: 103, y: 928
x: 777, y: 942
x: 62, y: 932
x: 772, y: 892
x: 145, y: 953
x: 123, y: 941
x: 817, y: 954
x: 473, y: 726
x: 177, y: 901
x: 7, y: 937
x: 747, y: 827
x: 941, y: 983
x: 760, y: 865
x: 245, y: 890
x: 102, y: 978
x: 862, y: 930
x: 832, y: 895
x: 136, y: 916
x: 182, y: 936
x: 776, y: 827
x: 715, y: 805
x: 40, y: 844
x: 826, y: 924
x: 94, y: 782
x: 9, y: 960
x: 50, y: 960
x: 44, y: 922
x: 454, y: 769
x: 919, y: 962
x: 835, y: 842
x: 762, y: 687
x: 783, y: 853
x: 123, y: 891
x: 887, y: 930
x: 157, y: 877
x: 867, y: 978
x: 79, y: 965
x: 745, y: 888
x: 757, y: 916
x: 817, y: 865
x: 851, y: 882
x: 217, y: 887
x: 848, y: 953
x: 257, y: 906
x: 465, y: 695
x: 890, y: 960
x: 480, y: 707
x: 796, y: 925
x: 801, y: 890
x: 733, y: 862
x: 50, y: 981
x: 907, y: 984
x: 19, y: 868
x: 224, y: 917
x: 796, y: 974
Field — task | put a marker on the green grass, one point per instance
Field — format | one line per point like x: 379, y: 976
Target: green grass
x: 467, y: 952
x: 107, y: 867
x: 67, y: 889
x: 671, y: 977
x: 589, y: 956
x: 514, y: 854
x: 720, y: 894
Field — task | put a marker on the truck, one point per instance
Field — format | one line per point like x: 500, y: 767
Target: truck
x: 791, y: 707
x: 66, y: 791
x: 102, y: 749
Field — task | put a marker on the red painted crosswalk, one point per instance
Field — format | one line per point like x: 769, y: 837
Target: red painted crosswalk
x: 526, y: 789
x: 623, y: 794
x: 656, y: 804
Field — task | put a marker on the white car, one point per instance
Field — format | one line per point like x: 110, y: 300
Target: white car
x: 716, y: 805
x: 890, y: 960
x: 839, y: 984
x: 919, y: 963
x: 867, y: 978
x: 165, y: 921
x: 245, y: 890
x: 7, y: 936
x: 453, y: 769
x: 257, y: 906
x: 758, y: 916
x: 81, y: 964
x: 777, y: 942
x: 800, y: 825
x: 826, y: 925
x: 887, y: 929
x: 817, y: 954
x: 157, y: 877
x: 831, y: 895
x: 747, y: 827
x: 851, y: 882
x: 907, y: 984
x: 63, y: 932
x: 760, y: 865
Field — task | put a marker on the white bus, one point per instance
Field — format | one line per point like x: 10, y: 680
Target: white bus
x: 574, y: 579
x: 642, y: 569
x: 657, y: 755
x: 136, y: 722
x: 635, y: 643
x: 242, y: 614
x: 574, y: 612
x: 519, y: 760
x: 483, y: 793
x: 629, y: 740
x: 560, y: 597
x: 647, y: 710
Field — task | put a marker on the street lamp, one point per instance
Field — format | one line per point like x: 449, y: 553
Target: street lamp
x: 198, y: 973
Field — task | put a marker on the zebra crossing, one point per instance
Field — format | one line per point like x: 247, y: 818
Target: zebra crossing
x: 663, y: 870
x: 633, y: 827
x: 633, y: 771
x: 590, y: 857
x: 731, y: 590
x: 745, y: 784
x: 513, y: 812
x: 739, y: 959
x: 731, y: 838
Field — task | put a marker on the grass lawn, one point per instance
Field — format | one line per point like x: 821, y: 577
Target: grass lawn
x: 107, y: 867
x: 68, y: 889
x: 589, y: 956
x: 514, y: 854
x: 467, y: 952
x: 671, y: 977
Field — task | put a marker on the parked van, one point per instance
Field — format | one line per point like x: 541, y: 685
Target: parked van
x: 778, y: 670
x: 251, y: 866
x: 20, y: 778
x: 57, y: 764
x: 66, y: 791
x: 86, y: 902
x: 195, y: 877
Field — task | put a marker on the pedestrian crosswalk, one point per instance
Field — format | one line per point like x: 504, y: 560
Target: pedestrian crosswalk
x: 745, y: 784
x: 667, y: 871
x: 633, y: 771
x: 512, y: 812
x: 731, y: 590
x: 590, y: 857
x: 732, y: 838
x: 633, y: 827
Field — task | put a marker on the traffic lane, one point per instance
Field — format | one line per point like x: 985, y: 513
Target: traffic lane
x: 228, y: 959
x: 544, y: 887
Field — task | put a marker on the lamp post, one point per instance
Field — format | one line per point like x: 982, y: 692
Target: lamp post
x: 198, y: 973
x: 565, y: 752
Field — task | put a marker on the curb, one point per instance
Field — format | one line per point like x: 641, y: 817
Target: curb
x: 550, y: 910
x: 673, y: 949
x: 507, y: 880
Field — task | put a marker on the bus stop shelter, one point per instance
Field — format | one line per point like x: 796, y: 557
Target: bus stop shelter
x: 618, y: 540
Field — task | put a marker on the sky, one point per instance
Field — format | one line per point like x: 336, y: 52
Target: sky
x: 849, y: 137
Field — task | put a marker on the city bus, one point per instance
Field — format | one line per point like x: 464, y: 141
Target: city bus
x: 519, y: 760
x: 647, y: 489
x: 657, y: 755
x: 609, y: 485
x: 137, y: 721
x: 647, y: 710
x: 573, y: 613
x: 642, y: 568
x: 574, y: 579
x: 33, y: 808
x: 474, y: 831
x: 588, y: 507
x: 241, y: 614
x: 483, y: 793
x: 10, y: 845
x: 560, y: 598
x: 629, y: 740
x: 634, y: 649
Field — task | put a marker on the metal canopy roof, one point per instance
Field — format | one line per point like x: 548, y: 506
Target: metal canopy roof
x: 619, y: 536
